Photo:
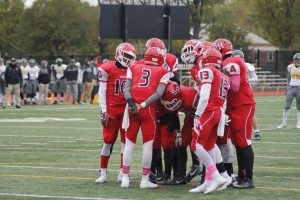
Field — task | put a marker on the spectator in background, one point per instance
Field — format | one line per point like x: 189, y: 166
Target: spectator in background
x: 60, y: 82
x: 44, y: 80
x: 25, y: 68
x: 79, y: 81
x: 32, y: 83
x: 2, y: 87
x: 13, y: 79
x: 87, y: 80
x: 71, y: 74
x: 95, y: 78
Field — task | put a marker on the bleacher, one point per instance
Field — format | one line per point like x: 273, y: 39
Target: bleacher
x: 267, y: 79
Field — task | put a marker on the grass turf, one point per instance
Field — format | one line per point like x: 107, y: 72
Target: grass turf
x: 57, y: 157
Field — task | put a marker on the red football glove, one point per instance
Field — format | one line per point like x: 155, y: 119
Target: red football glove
x: 105, y: 117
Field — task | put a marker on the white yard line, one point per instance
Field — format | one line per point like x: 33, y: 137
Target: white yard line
x: 54, y: 197
x: 47, y: 127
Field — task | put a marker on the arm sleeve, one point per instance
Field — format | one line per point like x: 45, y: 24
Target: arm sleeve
x: 155, y: 96
x: 102, y: 96
x: 235, y: 83
x: 253, y: 77
x: 127, y: 89
x: 203, y: 101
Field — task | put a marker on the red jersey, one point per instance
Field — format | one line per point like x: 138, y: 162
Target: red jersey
x: 115, y: 78
x: 195, y: 69
x: 244, y: 96
x: 220, y: 84
x: 145, y: 80
x: 171, y: 62
x: 190, y: 100
x: 160, y: 110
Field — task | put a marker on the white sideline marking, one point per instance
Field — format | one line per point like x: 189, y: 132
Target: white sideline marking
x: 89, y: 150
x: 33, y: 136
x: 9, y: 145
x: 273, y: 157
x: 61, y: 168
x: 64, y: 127
x: 26, y: 120
x: 35, y: 143
x: 54, y: 197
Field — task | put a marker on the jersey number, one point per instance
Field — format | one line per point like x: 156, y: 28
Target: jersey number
x: 203, y: 75
x: 223, y: 88
x: 119, y: 87
x: 145, y: 77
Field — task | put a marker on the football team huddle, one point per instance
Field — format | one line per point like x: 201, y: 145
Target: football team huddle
x: 147, y: 94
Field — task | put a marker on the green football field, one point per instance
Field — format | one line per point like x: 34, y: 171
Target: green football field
x: 52, y: 152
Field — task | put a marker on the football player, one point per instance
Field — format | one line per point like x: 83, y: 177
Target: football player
x: 170, y: 118
x: 165, y: 132
x: 209, y: 119
x: 240, y: 108
x: 253, y: 80
x: 112, y: 102
x: 184, y: 101
x: 292, y: 91
x: 191, y: 53
x: 145, y: 85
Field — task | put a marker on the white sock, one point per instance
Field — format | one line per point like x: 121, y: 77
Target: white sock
x: 203, y: 155
x: 285, y: 116
x: 256, y: 130
x: 218, y: 154
x: 128, y: 151
x: 147, y: 154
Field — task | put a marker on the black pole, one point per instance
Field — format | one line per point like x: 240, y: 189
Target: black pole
x: 276, y: 60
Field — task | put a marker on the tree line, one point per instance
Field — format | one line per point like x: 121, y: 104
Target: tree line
x: 70, y: 27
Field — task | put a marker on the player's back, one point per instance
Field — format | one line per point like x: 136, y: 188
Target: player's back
x: 145, y: 80
x: 236, y: 66
x: 190, y: 99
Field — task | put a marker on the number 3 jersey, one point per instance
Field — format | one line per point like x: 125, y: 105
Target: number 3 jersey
x: 115, y: 78
x: 145, y: 80
x: 236, y: 66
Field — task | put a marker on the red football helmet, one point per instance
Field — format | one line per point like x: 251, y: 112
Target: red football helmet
x: 206, y: 43
x: 190, y: 50
x: 172, y: 96
x: 155, y: 42
x: 224, y: 46
x: 125, y: 54
x: 155, y: 56
x: 212, y: 57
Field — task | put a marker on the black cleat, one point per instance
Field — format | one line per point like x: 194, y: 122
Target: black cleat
x: 17, y: 106
x: 159, y: 175
x: 55, y: 102
x: 166, y: 179
x: 243, y: 184
x: 152, y: 178
x: 195, y: 170
x: 178, y: 180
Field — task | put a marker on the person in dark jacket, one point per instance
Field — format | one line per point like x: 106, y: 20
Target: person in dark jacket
x: 44, y: 80
x: 71, y: 74
x: 13, y: 80
x: 87, y: 80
